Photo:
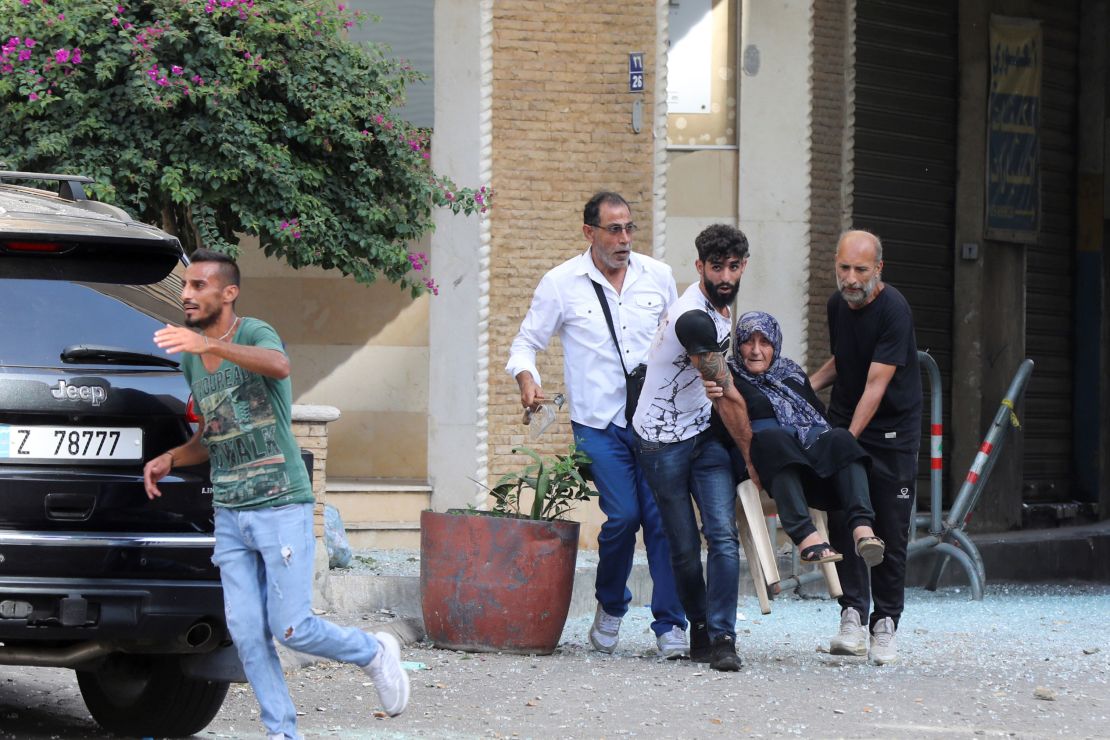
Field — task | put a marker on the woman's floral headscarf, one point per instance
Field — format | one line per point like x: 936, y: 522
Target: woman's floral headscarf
x: 791, y: 409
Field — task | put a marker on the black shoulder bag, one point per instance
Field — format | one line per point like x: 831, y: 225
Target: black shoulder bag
x: 634, y: 381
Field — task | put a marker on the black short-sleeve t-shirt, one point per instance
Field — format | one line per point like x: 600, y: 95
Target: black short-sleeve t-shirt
x: 881, y: 331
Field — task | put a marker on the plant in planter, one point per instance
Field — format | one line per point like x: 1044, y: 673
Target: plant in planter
x: 501, y: 580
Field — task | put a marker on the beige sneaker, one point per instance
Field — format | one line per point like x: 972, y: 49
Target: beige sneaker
x: 852, y: 637
x: 883, y: 648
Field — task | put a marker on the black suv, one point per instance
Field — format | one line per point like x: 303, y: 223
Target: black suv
x: 93, y: 575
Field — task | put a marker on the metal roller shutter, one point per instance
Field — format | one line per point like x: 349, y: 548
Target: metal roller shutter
x: 907, y: 82
x: 1049, y: 299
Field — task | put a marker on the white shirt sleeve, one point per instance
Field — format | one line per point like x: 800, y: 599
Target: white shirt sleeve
x: 543, y: 320
x: 672, y: 289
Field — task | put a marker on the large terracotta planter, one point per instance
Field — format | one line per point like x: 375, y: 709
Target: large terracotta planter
x: 495, y: 584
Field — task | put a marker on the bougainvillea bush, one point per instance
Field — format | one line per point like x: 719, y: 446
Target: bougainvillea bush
x: 218, y: 118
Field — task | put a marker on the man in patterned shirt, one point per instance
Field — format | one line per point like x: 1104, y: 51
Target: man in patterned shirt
x: 239, y: 375
x: 684, y: 456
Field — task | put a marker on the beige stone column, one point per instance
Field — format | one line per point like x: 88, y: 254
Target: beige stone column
x: 310, y: 427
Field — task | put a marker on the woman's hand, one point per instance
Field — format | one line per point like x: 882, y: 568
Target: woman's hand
x: 713, y: 390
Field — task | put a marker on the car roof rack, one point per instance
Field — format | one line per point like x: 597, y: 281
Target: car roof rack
x: 70, y: 188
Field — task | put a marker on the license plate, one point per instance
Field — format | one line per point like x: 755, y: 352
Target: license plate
x: 39, y: 444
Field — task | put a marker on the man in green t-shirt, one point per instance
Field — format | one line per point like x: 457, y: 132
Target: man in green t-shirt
x: 239, y: 375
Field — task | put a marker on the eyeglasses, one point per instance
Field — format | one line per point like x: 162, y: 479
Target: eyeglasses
x: 614, y: 229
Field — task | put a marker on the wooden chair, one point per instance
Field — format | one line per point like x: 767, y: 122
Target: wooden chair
x: 752, y: 506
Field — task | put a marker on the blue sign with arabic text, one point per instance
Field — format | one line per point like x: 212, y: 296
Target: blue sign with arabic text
x: 1013, y: 136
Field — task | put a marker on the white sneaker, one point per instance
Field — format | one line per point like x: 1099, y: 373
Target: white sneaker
x: 388, y: 676
x: 852, y: 637
x: 883, y: 648
x: 605, y: 631
x: 672, y: 644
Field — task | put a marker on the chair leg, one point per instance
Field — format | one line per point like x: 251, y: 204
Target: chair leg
x: 752, y: 555
x: 752, y: 509
x: 832, y: 580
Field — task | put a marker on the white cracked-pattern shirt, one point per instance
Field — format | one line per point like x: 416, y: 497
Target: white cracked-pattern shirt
x: 673, y: 405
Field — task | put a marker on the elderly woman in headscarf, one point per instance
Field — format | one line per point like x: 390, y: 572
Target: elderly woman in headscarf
x: 801, y: 460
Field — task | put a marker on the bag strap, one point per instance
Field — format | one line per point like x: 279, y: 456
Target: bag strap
x: 609, y: 320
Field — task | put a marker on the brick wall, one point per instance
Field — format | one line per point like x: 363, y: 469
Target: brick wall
x: 830, y: 163
x: 561, y: 118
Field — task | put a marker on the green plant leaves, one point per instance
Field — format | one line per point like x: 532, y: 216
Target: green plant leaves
x: 555, y: 482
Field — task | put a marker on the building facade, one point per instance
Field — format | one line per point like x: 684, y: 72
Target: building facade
x: 793, y: 120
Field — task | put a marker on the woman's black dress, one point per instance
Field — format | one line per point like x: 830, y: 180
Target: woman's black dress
x: 775, y: 447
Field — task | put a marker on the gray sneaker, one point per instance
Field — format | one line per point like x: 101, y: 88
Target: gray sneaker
x: 852, y: 637
x: 672, y: 644
x: 883, y: 648
x: 605, y: 631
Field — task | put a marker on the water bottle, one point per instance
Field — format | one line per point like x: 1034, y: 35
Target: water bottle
x: 544, y: 416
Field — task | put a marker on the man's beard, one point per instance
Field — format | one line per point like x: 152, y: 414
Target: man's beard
x: 202, y: 322
x: 861, y: 297
x: 717, y: 299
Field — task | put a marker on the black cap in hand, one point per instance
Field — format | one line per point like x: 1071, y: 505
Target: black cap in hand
x: 697, y: 332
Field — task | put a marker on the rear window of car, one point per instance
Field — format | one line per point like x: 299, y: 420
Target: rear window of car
x: 43, y: 317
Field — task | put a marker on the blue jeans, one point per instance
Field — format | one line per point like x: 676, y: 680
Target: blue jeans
x: 701, y: 466
x: 266, y: 559
x: 627, y: 503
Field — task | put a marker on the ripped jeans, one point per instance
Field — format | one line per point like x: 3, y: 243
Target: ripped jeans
x: 266, y: 559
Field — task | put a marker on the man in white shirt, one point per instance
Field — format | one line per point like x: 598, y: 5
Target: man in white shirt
x: 685, y: 456
x: 567, y: 302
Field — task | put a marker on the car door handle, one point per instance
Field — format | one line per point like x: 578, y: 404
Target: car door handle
x: 70, y: 507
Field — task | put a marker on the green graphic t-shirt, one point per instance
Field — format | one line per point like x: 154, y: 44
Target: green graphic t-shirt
x: 254, y: 457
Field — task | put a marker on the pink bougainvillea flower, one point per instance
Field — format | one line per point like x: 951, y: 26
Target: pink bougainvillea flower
x: 75, y: 57
x: 176, y: 69
x: 33, y: 96
x: 61, y: 56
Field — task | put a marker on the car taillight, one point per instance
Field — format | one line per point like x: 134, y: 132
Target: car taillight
x: 191, y: 411
x: 26, y: 246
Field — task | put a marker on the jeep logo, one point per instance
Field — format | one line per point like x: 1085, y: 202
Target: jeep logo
x: 94, y: 394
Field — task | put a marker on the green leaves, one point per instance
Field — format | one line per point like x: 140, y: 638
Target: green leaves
x: 242, y: 115
x: 556, y: 484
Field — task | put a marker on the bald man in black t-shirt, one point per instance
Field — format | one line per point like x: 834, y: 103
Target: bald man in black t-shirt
x: 876, y: 395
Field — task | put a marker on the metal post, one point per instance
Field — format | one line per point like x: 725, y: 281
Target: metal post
x: 976, y: 476
x: 936, y: 440
x: 972, y: 488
